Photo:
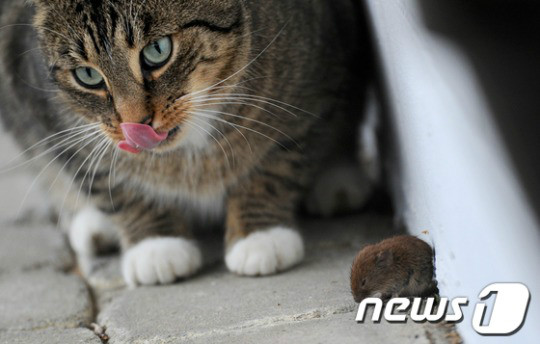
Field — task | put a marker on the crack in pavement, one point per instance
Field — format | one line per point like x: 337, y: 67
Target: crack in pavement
x: 269, y: 322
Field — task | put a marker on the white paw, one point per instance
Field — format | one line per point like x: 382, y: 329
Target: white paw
x: 160, y: 261
x: 92, y: 232
x: 340, y: 188
x: 266, y: 252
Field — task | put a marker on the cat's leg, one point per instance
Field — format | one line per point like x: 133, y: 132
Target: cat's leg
x: 261, y: 235
x: 157, y: 245
x: 346, y: 183
x: 92, y: 232
x: 340, y: 188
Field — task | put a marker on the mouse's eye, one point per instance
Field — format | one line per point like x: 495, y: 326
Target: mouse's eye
x: 157, y: 53
x: 363, y: 282
x: 89, y: 77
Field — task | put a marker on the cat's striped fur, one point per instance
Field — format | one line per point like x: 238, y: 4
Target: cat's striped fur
x: 278, y: 78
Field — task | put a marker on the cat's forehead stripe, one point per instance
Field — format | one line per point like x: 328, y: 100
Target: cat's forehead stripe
x: 81, y: 49
x: 102, y: 19
x: 101, y: 23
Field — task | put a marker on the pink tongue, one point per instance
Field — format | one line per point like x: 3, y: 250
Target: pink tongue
x: 140, y: 137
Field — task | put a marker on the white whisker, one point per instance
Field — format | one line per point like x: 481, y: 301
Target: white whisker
x: 113, y: 160
x: 239, y: 102
x: 233, y: 126
x: 33, y: 26
x: 100, y: 154
x: 77, y: 172
x: 191, y: 121
x: 243, y: 68
x: 92, y: 156
x: 245, y: 99
x: 46, y: 167
x: 71, y: 157
x: 226, y: 140
x: 63, y: 143
x: 268, y: 100
x: 249, y: 120
x: 241, y: 126
x: 53, y: 137
x: 103, y: 146
x: 26, y: 52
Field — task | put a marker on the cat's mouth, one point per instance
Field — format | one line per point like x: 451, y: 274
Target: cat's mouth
x: 141, y: 137
x: 173, y: 133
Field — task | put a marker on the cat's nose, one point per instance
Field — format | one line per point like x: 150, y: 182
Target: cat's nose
x: 132, y: 108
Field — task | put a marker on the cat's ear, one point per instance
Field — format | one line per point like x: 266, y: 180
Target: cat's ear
x: 37, y: 3
x: 39, y: 12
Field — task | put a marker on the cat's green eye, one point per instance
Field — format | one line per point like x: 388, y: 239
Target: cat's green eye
x: 89, y: 77
x: 157, y: 53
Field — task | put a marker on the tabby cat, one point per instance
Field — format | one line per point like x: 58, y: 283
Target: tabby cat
x: 151, y: 117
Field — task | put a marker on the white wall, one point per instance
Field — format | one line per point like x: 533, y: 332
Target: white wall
x: 454, y: 174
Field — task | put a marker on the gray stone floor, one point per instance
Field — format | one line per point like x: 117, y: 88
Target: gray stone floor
x: 45, y: 298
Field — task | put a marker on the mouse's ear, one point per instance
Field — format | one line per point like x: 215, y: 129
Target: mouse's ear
x: 385, y: 258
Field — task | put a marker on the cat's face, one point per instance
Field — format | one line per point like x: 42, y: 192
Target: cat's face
x: 138, y: 61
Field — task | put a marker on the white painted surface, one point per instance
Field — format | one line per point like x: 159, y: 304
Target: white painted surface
x: 454, y: 175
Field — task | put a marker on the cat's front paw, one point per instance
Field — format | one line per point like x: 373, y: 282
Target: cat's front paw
x: 91, y: 232
x: 266, y: 252
x: 160, y: 261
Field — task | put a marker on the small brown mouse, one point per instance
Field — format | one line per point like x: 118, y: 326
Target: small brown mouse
x: 401, y: 266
